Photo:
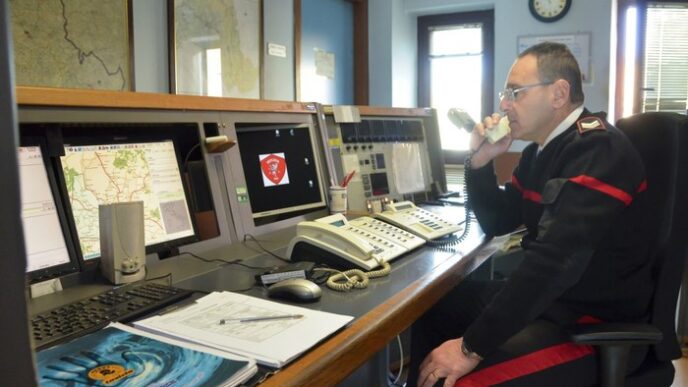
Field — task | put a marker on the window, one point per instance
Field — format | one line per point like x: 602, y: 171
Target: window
x: 455, y: 69
x: 665, y: 79
x: 655, y: 39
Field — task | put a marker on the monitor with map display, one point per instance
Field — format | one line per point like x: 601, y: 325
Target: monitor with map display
x: 48, y: 250
x: 280, y: 167
x: 122, y: 169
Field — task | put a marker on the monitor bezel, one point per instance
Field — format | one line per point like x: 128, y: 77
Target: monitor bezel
x: 242, y: 126
x: 104, y: 133
x: 73, y: 265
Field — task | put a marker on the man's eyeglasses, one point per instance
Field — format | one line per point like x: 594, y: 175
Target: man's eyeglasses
x: 510, y: 94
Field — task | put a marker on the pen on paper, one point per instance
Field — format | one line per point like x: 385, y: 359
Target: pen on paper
x: 264, y: 318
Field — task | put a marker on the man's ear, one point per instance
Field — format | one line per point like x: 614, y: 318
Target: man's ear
x: 561, y: 90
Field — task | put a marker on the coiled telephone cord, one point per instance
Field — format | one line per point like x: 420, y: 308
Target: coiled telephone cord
x: 355, y: 278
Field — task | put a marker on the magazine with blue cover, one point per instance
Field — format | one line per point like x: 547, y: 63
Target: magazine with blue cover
x: 122, y: 356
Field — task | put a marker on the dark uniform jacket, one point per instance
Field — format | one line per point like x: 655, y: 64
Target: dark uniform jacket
x: 585, y: 251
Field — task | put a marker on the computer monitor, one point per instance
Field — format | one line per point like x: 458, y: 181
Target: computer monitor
x: 126, y: 165
x: 281, y: 171
x: 49, y: 252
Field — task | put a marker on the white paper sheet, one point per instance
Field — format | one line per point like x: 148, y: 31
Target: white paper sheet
x: 271, y: 342
x: 407, y: 167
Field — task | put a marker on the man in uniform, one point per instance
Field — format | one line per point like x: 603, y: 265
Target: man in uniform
x: 579, y: 191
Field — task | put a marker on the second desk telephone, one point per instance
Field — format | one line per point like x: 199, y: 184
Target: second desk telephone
x: 366, y: 242
x: 362, y: 243
x: 418, y: 221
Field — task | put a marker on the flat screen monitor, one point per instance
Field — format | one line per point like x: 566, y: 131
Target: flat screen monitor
x: 280, y: 167
x: 48, y: 250
x: 121, y: 170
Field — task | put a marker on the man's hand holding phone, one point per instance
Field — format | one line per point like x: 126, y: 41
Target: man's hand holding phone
x: 489, y: 138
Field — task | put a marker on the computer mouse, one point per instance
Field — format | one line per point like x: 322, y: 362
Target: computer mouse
x: 295, y: 289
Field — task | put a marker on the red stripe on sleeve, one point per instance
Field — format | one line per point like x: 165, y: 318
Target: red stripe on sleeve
x: 527, y: 194
x: 598, y: 185
x: 525, y: 365
x: 516, y: 183
x: 533, y: 196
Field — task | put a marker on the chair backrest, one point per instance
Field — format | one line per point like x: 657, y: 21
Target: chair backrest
x: 662, y: 141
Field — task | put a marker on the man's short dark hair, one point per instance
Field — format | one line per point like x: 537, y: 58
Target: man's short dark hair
x: 555, y: 61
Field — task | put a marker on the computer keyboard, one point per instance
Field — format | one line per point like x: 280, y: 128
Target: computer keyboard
x: 122, y: 304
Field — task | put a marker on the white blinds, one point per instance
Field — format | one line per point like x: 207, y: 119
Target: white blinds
x: 665, y: 84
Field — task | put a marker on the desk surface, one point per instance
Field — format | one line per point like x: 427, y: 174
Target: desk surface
x: 382, y: 311
x: 426, y: 278
x: 385, y: 309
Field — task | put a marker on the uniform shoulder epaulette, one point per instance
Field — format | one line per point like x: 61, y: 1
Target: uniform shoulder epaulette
x: 587, y: 124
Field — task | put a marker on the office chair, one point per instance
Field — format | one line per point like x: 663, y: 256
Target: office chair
x: 662, y: 141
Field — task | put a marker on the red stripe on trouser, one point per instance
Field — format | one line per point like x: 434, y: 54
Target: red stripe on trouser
x: 524, y: 365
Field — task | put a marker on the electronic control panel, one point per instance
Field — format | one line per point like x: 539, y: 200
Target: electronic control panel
x: 389, y: 155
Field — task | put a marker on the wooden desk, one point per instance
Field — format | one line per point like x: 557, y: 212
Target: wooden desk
x: 342, y: 354
x: 382, y: 311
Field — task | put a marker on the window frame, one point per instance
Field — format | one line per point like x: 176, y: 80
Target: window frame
x: 622, y: 7
x: 486, y: 18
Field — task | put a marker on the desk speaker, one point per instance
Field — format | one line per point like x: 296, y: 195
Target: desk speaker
x: 122, y: 242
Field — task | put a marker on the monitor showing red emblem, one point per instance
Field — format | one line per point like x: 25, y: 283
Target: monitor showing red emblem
x: 274, y: 168
x: 282, y: 172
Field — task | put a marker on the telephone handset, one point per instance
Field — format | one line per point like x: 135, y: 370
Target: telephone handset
x: 418, y: 221
x: 497, y: 132
x: 341, y: 240
x: 462, y: 120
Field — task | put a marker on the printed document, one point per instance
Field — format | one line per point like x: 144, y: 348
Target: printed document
x: 241, y: 324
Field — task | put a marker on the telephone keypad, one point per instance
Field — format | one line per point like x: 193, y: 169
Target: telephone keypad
x: 418, y: 221
x: 387, y: 232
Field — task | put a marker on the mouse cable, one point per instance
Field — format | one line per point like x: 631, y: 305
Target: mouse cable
x: 251, y: 237
x: 235, y: 262
x: 169, y: 282
x: 168, y: 276
x: 320, y: 273
x: 243, y: 289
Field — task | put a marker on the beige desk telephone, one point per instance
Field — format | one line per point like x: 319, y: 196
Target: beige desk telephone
x: 363, y: 242
x: 418, y: 221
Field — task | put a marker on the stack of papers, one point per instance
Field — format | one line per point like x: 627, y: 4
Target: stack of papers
x: 236, y: 323
x: 119, y: 355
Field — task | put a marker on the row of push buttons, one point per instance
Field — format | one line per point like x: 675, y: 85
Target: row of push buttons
x: 392, y: 231
x: 434, y: 222
x: 373, y: 237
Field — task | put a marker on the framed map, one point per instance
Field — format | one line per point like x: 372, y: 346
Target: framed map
x: 73, y: 44
x: 215, y: 47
